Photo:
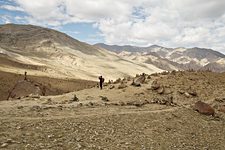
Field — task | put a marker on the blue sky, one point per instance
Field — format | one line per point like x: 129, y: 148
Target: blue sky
x: 169, y: 23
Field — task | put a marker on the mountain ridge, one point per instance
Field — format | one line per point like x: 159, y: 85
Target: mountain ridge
x: 59, y: 55
x: 182, y: 58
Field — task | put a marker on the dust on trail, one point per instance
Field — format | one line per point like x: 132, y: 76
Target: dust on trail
x: 121, y: 116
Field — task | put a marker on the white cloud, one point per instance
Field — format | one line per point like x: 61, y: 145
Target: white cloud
x: 169, y: 23
x: 11, y: 8
x: 6, y: 19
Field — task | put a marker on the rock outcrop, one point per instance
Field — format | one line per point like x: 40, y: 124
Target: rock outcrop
x: 204, y: 108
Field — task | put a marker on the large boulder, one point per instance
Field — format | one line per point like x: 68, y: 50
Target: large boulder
x: 140, y: 79
x: 155, y: 85
x: 26, y: 88
x: 204, y: 108
x: 137, y: 81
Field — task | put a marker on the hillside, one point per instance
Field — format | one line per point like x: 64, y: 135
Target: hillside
x: 52, y: 53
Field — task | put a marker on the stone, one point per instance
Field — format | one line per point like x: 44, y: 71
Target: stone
x: 117, y: 81
x: 221, y: 109
x: 149, y: 77
x: 27, y: 88
x: 181, y: 91
x: 161, y: 90
x: 186, y: 94
x: 74, y: 99
x: 34, y: 96
x: 204, y: 108
x: 122, y: 86
x: 111, y: 87
x: 104, y: 98
x: 140, y: 80
x: 36, y: 108
x: 20, y: 107
x: 193, y: 93
x: 4, y: 145
x: 155, y: 85
x: 135, y: 84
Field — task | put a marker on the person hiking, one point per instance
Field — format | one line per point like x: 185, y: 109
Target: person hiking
x: 101, y: 81
x: 25, y: 75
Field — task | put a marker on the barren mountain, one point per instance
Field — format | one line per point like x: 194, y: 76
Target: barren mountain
x: 47, y: 52
x: 170, y: 58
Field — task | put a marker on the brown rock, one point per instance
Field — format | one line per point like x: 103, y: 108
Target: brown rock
x: 160, y: 90
x: 26, y: 88
x: 186, y: 94
x: 222, y: 109
x: 192, y: 93
x: 111, y: 87
x: 117, y: 81
x: 122, y: 86
x: 140, y: 79
x: 135, y: 84
x: 104, y: 98
x: 155, y: 85
x: 204, y: 108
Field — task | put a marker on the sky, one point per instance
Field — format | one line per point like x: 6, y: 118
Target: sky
x: 168, y: 23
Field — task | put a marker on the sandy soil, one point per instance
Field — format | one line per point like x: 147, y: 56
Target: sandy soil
x: 120, y: 117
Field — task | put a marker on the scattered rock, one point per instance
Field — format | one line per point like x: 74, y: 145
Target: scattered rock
x: 135, y: 84
x: 149, y: 77
x: 117, y: 81
x: 161, y: 90
x: 155, y: 85
x: 121, y: 103
x: 221, y: 108
x: 204, y: 108
x: 36, y: 108
x: 139, y: 80
x: 89, y: 98
x: 80, y: 105
x: 20, y: 107
x: 173, y: 72
x: 220, y: 100
x: 139, y: 94
x: 90, y: 104
x: 111, y: 87
x: 74, y: 99
x: 9, y: 141
x: 181, y: 91
x: 165, y: 73
x: 193, y: 93
x: 4, y: 145
x: 129, y: 78
x: 34, y: 96
x: 186, y: 94
x: 122, y: 86
x: 164, y: 101
x: 49, y: 102
x: 104, y: 98
x: 110, y: 82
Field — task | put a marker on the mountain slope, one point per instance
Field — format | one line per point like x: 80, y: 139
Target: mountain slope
x: 180, y: 58
x: 56, y: 54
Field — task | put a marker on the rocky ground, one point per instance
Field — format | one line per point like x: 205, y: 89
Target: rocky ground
x: 146, y: 112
